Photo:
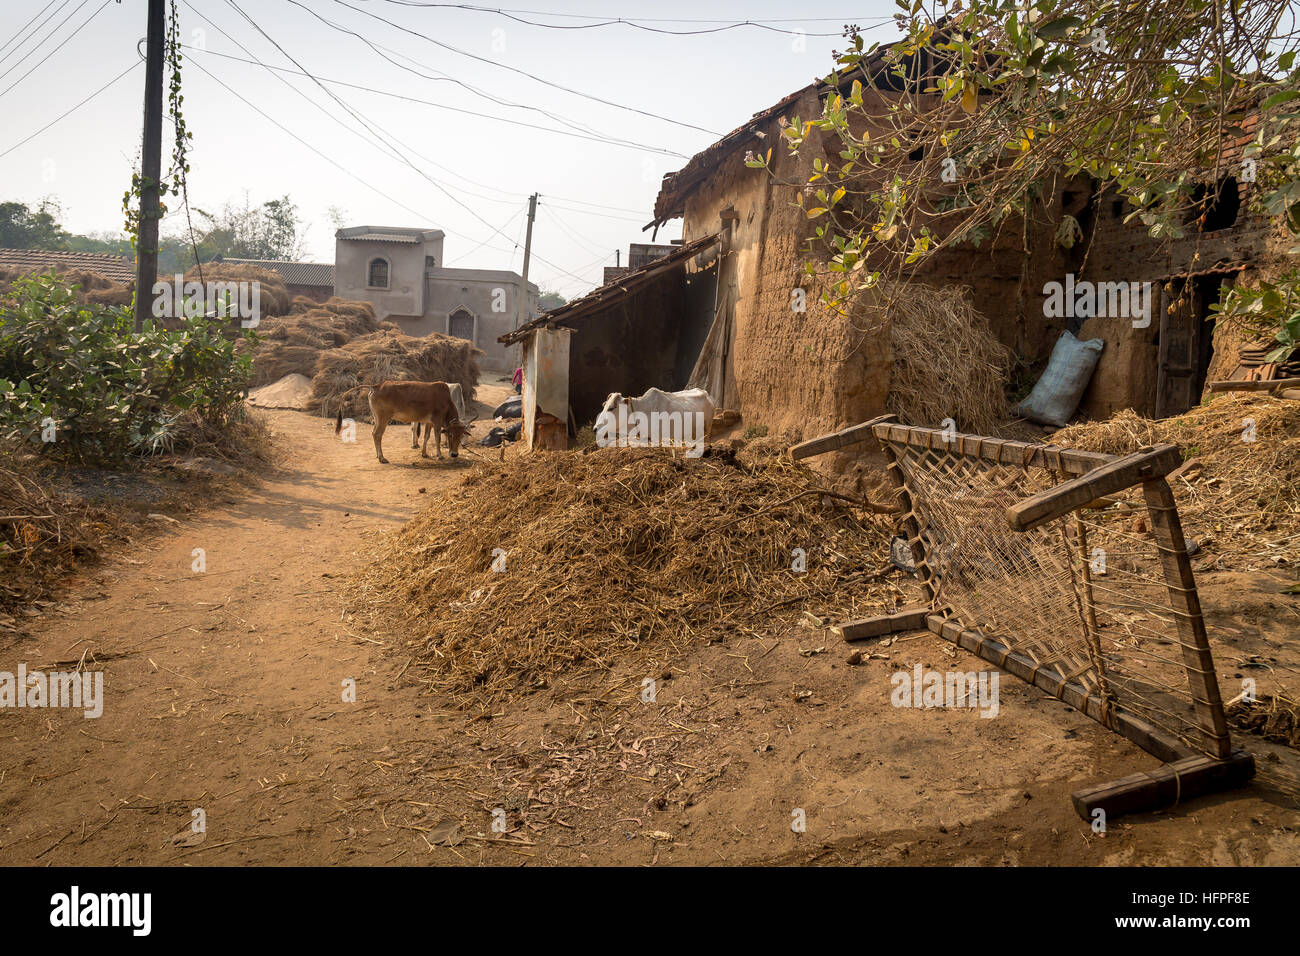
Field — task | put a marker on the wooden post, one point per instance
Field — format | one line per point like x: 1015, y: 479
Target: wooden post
x: 911, y: 527
x: 146, y: 247
x: 1167, y: 530
x: 879, y: 626
x: 1108, y: 479
x: 1171, y: 783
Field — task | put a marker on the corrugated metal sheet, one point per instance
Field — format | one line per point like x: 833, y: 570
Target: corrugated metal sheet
x: 294, y: 273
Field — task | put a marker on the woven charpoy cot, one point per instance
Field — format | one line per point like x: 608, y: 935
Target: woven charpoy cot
x: 1068, y: 569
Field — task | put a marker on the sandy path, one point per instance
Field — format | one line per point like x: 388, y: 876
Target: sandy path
x: 223, y: 689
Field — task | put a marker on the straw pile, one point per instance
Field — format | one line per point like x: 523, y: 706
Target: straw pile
x: 1273, y: 718
x: 291, y: 344
x: 43, y: 534
x: 389, y: 356
x: 946, y: 361
x: 89, y: 287
x: 617, y: 551
x: 1244, y: 497
x: 273, y: 294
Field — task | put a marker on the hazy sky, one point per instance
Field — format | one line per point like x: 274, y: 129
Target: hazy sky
x: 383, y: 163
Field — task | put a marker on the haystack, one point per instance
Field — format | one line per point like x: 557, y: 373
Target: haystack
x: 1242, y: 497
x: 91, y: 288
x: 390, y: 355
x: 273, y: 294
x: 291, y: 344
x: 946, y: 361
x: 614, y: 552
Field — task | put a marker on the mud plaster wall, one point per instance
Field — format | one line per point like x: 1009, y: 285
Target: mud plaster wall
x: 797, y: 374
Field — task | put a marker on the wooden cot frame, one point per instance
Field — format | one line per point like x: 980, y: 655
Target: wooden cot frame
x: 1187, y: 771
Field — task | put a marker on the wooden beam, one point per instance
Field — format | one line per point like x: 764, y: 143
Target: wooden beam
x: 1259, y: 386
x: 1185, y: 602
x: 1150, y: 738
x: 1110, y: 478
x: 881, y: 625
x: 1169, y: 784
x: 999, y: 451
x: 845, y: 436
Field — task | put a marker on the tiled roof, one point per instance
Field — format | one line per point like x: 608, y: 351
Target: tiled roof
x: 295, y: 273
x: 384, y: 237
x: 118, y: 268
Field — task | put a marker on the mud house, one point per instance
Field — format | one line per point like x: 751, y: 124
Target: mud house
x: 1158, y: 368
x: 753, y: 332
x: 400, y: 272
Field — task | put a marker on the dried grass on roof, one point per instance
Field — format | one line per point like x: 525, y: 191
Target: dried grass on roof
x: 89, y: 287
x: 616, y: 552
x: 1244, y: 499
x: 389, y: 355
x: 273, y: 293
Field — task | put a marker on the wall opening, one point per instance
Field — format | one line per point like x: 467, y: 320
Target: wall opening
x: 1217, y: 207
x: 461, y: 325
x: 377, y: 274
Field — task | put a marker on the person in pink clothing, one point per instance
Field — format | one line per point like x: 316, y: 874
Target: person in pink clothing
x: 519, y: 381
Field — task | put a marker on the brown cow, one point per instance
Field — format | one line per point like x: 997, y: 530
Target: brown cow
x: 425, y: 402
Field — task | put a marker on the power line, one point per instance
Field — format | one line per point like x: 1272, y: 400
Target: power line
x: 448, y: 193
x: 567, y: 231
x: 26, y: 25
x: 371, y: 129
x: 62, y: 23
x: 70, y: 111
x: 525, y: 73
x: 442, y: 77
x: 415, y: 99
x: 638, y: 24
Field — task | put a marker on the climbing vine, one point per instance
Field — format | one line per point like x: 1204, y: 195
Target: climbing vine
x: 175, y: 182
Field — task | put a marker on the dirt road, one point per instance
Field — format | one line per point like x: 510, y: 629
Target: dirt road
x: 224, y: 685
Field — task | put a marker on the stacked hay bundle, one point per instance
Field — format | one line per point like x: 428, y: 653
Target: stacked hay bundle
x: 617, y: 551
x: 389, y: 355
x: 292, y: 344
x: 274, y: 295
x: 946, y: 361
x: 89, y: 287
x: 1240, y: 496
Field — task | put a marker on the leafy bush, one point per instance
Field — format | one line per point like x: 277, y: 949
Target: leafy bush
x: 1271, y: 310
x: 78, y: 378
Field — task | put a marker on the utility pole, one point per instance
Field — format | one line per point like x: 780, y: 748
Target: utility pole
x: 146, y: 253
x: 528, y: 252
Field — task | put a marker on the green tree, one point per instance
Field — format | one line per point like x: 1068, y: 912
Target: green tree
x: 957, y: 129
x: 22, y: 227
x: 272, y: 230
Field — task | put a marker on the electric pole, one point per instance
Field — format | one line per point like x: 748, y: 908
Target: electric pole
x: 146, y: 250
x: 528, y: 252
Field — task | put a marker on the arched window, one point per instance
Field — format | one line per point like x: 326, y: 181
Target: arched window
x: 461, y: 324
x: 378, y: 274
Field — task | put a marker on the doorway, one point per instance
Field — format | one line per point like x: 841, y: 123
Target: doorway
x: 1186, y: 340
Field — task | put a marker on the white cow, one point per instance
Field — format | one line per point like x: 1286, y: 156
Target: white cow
x: 457, y: 399
x: 657, y: 418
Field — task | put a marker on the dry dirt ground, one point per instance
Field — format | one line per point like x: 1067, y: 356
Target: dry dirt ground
x: 224, y: 694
